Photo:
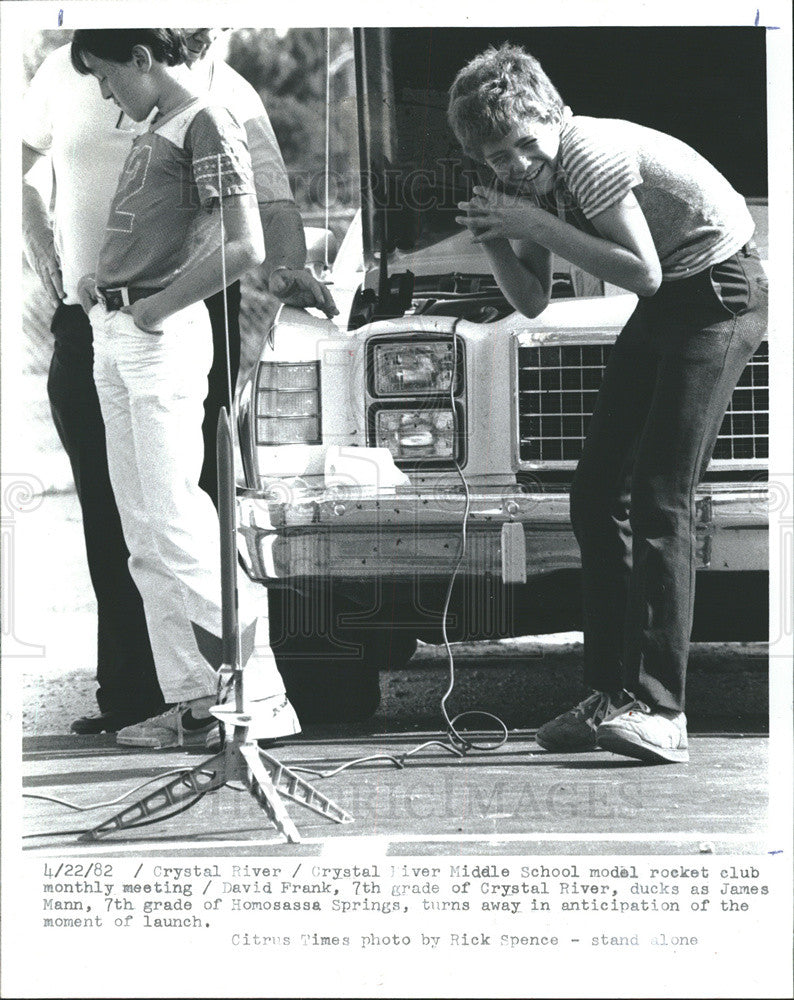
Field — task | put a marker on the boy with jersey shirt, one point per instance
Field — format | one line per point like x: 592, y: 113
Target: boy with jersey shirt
x: 643, y: 211
x: 161, y: 256
x: 87, y: 140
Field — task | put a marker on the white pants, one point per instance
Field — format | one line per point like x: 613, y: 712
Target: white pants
x: 151, y: 390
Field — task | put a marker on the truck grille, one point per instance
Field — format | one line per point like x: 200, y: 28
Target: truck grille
x: 557, y: 389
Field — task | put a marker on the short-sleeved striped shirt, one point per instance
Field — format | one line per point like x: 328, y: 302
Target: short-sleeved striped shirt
x: 695, y: 217
x: 157, y: 219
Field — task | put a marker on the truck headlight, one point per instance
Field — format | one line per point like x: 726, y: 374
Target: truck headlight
x: 288, y: 403
x: 417, y: 433
x: 413, y: 368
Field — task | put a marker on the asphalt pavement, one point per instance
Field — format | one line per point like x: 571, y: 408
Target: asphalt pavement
x: 409, y: 794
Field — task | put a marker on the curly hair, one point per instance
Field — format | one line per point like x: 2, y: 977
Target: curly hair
x: 496, y: 90
x: 167, y: 45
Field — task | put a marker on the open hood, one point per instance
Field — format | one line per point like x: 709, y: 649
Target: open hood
x: 414, y: 172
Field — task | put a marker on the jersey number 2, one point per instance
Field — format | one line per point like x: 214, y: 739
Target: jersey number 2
x: 132, y: 179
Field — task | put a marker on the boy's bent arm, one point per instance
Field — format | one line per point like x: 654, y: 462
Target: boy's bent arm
x: 524, y: 275
x: 202, y: 277
x: 623, y: 253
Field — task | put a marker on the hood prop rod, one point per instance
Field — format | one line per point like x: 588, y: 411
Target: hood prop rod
x: 391, y: 302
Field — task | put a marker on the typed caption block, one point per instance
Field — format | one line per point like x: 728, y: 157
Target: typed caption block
x: 405, y: 925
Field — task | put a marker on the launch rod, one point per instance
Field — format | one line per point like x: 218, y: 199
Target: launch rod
x: 228, y: 530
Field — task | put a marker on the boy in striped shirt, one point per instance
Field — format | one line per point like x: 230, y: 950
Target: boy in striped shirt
x: 641, y: 210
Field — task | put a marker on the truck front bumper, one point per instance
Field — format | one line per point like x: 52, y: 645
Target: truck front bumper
x: 404, y: 533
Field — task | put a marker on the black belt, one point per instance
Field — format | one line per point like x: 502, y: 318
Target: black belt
x: 116, y: 298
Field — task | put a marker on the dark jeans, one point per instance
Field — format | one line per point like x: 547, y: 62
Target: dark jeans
x: 125, y: 669
x: 666, y: 388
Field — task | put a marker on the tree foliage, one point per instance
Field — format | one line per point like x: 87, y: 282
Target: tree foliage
x: 289, y: 74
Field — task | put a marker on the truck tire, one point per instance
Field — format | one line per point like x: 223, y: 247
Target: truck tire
x: 731, y: 607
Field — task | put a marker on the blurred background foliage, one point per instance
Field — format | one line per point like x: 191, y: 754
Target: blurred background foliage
x: 289, y: 74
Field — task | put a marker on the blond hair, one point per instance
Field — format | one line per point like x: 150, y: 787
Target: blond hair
x: 495, y: 91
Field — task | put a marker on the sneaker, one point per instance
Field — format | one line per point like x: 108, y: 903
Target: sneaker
x: 654, y: 735
x: 109, y: 721
x: 175, y: 727
x: 272, y: 719
x: 575, y: 731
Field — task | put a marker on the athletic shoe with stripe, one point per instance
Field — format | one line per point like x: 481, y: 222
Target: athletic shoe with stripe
x: 177, y: 726
x: 271, y: 718
x: 575, y: 731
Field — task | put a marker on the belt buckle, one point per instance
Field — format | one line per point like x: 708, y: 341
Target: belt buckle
x: 123, y: 294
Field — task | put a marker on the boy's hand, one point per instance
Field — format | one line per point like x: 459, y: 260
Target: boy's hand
x: 492, y: 215
x: 299, y: 287
x: 145, y: 316
x: 86, y: 292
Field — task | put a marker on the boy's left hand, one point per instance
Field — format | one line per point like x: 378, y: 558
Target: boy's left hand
x: 144, y: 316
x: 493, y: 215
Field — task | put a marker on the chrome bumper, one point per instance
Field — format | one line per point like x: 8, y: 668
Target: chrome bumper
x: 405, y: 533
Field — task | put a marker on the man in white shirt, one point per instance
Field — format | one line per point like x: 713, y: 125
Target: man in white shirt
x: 87, y: 141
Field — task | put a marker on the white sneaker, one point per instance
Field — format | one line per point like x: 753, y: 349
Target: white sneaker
x: 177, y: 726
x: 655, y: 735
